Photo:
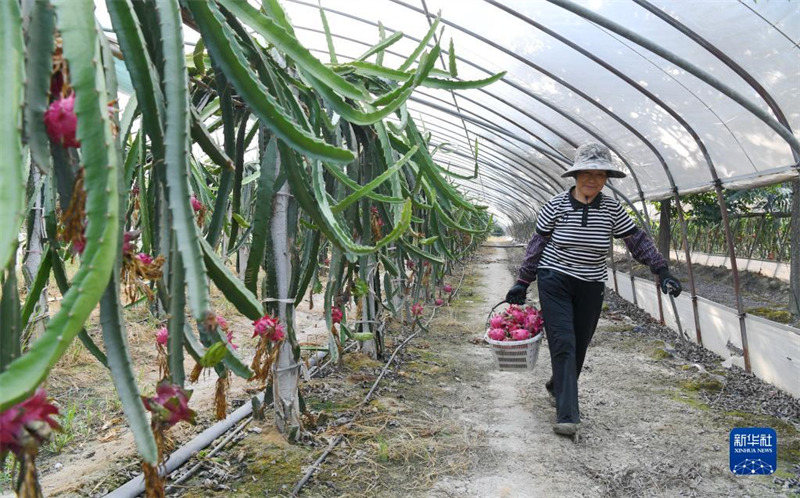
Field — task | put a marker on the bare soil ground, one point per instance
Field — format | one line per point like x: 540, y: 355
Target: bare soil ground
x: 656, y: 417
x: 95, y: 453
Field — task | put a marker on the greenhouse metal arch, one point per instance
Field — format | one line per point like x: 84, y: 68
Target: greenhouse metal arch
x: 194, y: 159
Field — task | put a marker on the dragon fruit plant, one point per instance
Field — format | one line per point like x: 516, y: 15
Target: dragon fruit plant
x: 169, y: 406
x: 135, y: 198
x: 516, y: 324
x: 23, y: 429
x: 270, y: 332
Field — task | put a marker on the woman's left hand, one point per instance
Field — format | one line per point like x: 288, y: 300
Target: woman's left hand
x: 669, y: 284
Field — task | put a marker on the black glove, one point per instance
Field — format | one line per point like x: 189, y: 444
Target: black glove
x: 669, y: 284
x: 517, y: 294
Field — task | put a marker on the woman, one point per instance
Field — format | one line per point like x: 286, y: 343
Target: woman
x: 568, y: 255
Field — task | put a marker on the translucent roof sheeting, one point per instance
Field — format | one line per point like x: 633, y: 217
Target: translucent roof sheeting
x: 570, y: 80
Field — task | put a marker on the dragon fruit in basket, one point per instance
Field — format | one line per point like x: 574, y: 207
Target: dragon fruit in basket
x: 497, y: 334
x: 516, y: 324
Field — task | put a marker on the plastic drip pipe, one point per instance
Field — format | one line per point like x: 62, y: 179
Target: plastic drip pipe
x: 135, y: 486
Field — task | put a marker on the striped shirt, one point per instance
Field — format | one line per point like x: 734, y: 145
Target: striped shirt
x: 580, y: 234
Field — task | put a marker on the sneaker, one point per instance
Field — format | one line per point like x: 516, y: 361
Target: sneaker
x: 566, y: 428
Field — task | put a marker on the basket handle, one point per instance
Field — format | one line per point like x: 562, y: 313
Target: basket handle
x: 491, y: 311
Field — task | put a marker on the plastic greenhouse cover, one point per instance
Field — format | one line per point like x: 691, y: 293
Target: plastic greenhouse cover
x: 553, y: 97
x: 540, y: 101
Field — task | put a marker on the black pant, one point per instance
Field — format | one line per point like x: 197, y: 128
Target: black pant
x: 571, y: 308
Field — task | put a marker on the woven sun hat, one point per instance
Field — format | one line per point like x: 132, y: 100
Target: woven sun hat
x: 593, y: 156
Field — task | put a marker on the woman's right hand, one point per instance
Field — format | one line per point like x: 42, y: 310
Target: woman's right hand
x: 517, y: 294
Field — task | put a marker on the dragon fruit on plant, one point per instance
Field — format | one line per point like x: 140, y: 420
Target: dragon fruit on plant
x: 26, y: 425
x: 222, y: 322
x: 268, y: 326
x: 229, y: 335
x: 196, y: 204
x: 61, y: 122
x: 279, y: 333
x: 145, y: 258
x: 170, y: 405
x: 336, y: 315
x: 162, y: 335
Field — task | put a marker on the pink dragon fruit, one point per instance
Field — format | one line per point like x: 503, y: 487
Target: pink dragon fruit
x: 162, y: 335
x: 439, y: 301
x: 170, y: 405
x: 196, y: 204
x: 518, y: 316
x: 497, y: 322
x: 416, y: 309
x: 79, y: 245
x: 264, y: 325
x: 269, y: 327
x: 278, y: 333
x: 61, y: 122
x: 520, y: 334
x: 534, y: 322
x: 230, y: 340
x: 145, y: 258
x: 27, y: 424
x: 497, y: 334
x: 447, y: 288
x: 127, y: 241
x: 336, y: 315
x: 222, y: 322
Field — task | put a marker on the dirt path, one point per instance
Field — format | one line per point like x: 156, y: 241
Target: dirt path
x: 640, y: 437
x: 444, y: 422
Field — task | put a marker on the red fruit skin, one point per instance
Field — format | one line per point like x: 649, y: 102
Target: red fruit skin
x: 170, y: 404
x: 162, y: 336
x: 278, y: 334
x: 336, y: 315
x: 62, y: 123
x: 196, y: 204
x: 21, y: 418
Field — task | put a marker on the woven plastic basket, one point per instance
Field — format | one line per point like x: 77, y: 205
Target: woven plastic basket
x: 514, y: 355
